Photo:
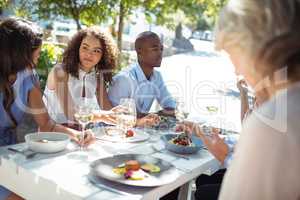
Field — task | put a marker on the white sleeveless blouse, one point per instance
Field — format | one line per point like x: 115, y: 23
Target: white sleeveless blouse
x: 75, y: 87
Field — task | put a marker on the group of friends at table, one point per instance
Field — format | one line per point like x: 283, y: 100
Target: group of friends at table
x: 261, y: 40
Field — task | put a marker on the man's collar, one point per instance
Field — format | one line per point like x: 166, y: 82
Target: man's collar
x: 140, y: 73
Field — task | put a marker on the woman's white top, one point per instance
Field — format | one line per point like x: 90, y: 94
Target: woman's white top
x: 75, y: 87
x: 266, y: 164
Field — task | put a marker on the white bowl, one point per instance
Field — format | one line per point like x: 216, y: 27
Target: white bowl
x: 47, y: 142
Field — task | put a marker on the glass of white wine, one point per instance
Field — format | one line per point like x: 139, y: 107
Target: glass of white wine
x: 181, y: 112
x: 83, y: 115
x: 126, y: 117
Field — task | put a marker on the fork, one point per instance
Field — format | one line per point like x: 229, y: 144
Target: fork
x: 27, y: 155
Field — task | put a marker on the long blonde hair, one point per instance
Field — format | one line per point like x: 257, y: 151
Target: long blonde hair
x: 267, y: 30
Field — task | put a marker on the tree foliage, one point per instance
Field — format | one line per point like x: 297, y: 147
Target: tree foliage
x: 87, y: 11
x: 3, y: 3
x: 196, y: 12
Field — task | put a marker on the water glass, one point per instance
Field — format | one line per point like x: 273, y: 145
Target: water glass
x: 126, y: 116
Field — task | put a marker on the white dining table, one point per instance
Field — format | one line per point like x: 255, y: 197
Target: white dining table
x: 66, y: 175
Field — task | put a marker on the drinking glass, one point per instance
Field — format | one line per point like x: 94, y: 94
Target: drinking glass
x: 126, y: 116
x: 181, y: 112
x: 83, y: 115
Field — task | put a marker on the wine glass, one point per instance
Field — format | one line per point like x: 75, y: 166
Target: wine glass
x: 126, y: 116
x: 83, y: 115
x: 181, y: 112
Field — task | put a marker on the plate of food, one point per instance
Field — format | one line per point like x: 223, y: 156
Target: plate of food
x: 182, y: 143
x: 114, y: 134
x: 135, y: 169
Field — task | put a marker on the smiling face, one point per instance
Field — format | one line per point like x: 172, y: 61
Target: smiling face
x: 90, y: 52
x: 150, y: 52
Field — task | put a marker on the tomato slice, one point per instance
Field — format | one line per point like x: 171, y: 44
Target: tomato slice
x: 130, y: 133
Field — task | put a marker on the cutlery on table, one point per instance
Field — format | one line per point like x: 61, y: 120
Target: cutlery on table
x: 172, y: 153
x: 94, y: 181
x: 22, y: 152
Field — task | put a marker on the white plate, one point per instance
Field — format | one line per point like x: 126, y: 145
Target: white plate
x: 47, y: 142
x: 112, y: 134
x: 104, y: 168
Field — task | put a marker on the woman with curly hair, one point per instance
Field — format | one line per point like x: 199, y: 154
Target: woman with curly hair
x: 85, y: 72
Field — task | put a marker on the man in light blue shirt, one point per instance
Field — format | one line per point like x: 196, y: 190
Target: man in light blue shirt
x: 141, y: 81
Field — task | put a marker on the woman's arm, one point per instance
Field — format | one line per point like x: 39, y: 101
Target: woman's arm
x: 41, y: 116
x: 58, y: 81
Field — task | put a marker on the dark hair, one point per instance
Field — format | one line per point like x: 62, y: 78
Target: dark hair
x: 19, y: 38
x: 108, y: 61
x: 142, y: 37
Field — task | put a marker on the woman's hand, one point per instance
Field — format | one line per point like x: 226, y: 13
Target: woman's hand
x: 148, y: 121
x: 88, y: 139
x: 118, y: 108
x: 108, y: 117
x: 216, y: 145
x: 242, y: 86
x: 190, y: 127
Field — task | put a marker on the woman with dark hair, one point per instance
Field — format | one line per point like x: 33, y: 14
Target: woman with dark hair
x: 20, y: 45
x: 85, y: 72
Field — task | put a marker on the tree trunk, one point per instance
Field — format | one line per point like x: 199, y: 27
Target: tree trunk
x: 75, y: 11
x: 178, y: 31
x: 121, y: 25
x: 77, y: 23
x: 113, y: 28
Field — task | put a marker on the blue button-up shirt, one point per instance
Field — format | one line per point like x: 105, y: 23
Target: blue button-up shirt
x: 132, y: 83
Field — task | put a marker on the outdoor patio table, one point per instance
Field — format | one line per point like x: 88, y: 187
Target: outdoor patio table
x: 65, y: 175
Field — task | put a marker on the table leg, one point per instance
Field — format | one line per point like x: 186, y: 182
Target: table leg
x: 185, y: 192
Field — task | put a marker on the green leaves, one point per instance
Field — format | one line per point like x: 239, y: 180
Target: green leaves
x: 82, y: 11
x: 50, y: 55
x: 3, y: 3
x: 196, y: 12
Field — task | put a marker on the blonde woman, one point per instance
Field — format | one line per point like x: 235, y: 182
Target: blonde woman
x: 262, y: 40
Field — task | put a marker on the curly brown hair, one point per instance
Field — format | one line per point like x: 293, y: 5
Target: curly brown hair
x: 106, y: 65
